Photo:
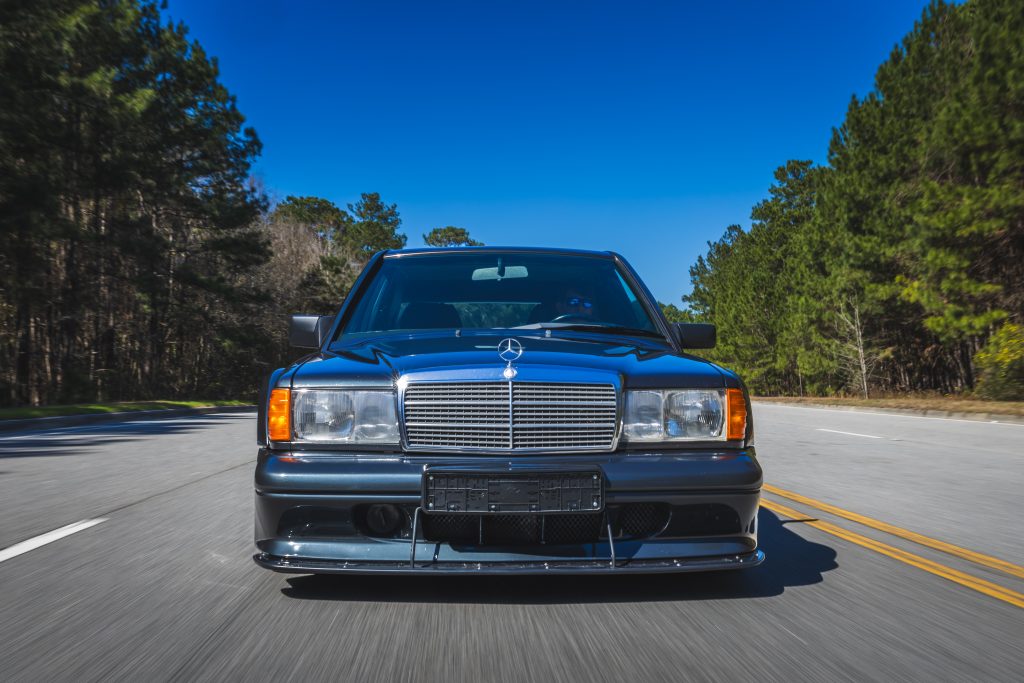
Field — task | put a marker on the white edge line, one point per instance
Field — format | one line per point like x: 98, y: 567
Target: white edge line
x: 48, y: 537
x: 858, y: 411
x: 836, y: 431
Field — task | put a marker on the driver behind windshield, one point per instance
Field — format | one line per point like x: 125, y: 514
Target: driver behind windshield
x: 575, y: 303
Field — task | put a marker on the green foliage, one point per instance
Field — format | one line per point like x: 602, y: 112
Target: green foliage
x: 754, y: 287
x: 325, y: 287
x: 374, y: 227
x: 674, y: 314
x: 890, y: 266
x: 126, y: 215
x: 343, y: 242
x: 1001, y: 365
x: 930, y: 169
x: 138, y: 260
x: 322, y: 216
x: 450, y: 236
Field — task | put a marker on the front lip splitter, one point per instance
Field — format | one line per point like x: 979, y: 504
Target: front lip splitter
x: 561, y: 566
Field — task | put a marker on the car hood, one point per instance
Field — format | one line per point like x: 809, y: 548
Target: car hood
x: 385, y: 360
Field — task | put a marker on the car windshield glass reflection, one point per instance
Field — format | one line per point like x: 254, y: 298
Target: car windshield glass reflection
x: 497, y: 291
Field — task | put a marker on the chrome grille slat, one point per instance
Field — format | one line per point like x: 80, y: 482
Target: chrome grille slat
x: 508, y: 416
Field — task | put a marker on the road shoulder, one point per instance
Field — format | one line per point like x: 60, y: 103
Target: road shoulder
x: 39, y: 423
x: 918, y: 412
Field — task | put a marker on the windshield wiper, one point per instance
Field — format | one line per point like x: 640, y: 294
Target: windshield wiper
x: 592, y: 327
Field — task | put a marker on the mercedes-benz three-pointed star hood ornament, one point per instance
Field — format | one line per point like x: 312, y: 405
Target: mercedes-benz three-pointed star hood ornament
x: 509, y: 350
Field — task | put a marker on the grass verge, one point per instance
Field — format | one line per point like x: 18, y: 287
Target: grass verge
x: 99, y: 408
x: 948, y: 404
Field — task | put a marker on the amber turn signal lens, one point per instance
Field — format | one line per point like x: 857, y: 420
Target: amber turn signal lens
x: 737, y: 415
x: 279, y: 415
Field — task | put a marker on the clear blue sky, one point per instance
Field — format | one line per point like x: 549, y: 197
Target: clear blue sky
x: 641, y: 127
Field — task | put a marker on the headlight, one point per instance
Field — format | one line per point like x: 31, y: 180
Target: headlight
x: 684, y: 415
x: 339, y: 415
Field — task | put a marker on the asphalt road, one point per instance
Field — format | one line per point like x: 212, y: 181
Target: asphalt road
x: 164, y: 587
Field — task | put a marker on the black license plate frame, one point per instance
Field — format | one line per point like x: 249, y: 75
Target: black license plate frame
x: 490, y: 493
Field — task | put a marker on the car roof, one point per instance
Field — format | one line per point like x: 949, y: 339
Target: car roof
x: 423, y: 251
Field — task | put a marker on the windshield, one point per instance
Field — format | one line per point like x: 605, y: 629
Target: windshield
x: 473, y: 290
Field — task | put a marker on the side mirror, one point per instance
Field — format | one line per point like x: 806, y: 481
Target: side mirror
x: 309, y: 331
x: 695, y: 335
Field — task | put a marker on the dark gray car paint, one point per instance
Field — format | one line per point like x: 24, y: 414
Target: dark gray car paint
x: 292, y: 476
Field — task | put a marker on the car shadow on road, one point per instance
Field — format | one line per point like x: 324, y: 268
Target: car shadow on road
x: 790, y: 561
x: 73, y: 440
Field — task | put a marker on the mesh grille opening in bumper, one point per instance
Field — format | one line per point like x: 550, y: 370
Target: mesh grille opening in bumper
x: 708, y: 519
x: 634, y: 520
x: 641, y: 520
x: 513, y: 529
x: 628, y: 521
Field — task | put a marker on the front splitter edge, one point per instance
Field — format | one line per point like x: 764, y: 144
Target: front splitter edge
x: 296, y: 565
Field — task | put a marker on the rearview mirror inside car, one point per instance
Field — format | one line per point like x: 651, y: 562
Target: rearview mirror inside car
x: 500, y: 273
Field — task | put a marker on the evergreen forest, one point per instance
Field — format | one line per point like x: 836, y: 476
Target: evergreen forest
x: 899, y: 265
x: 140, y: 259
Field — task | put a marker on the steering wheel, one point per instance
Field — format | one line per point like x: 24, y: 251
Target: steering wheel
x: 570, y: 317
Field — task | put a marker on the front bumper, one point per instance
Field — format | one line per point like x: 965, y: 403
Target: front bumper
x: 627, y: 566
x: 294, y: 488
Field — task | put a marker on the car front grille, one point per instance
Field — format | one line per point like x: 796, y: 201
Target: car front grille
x: 510, y: 415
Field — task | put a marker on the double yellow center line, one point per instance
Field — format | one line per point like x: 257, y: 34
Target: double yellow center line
x: 974, y: 583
